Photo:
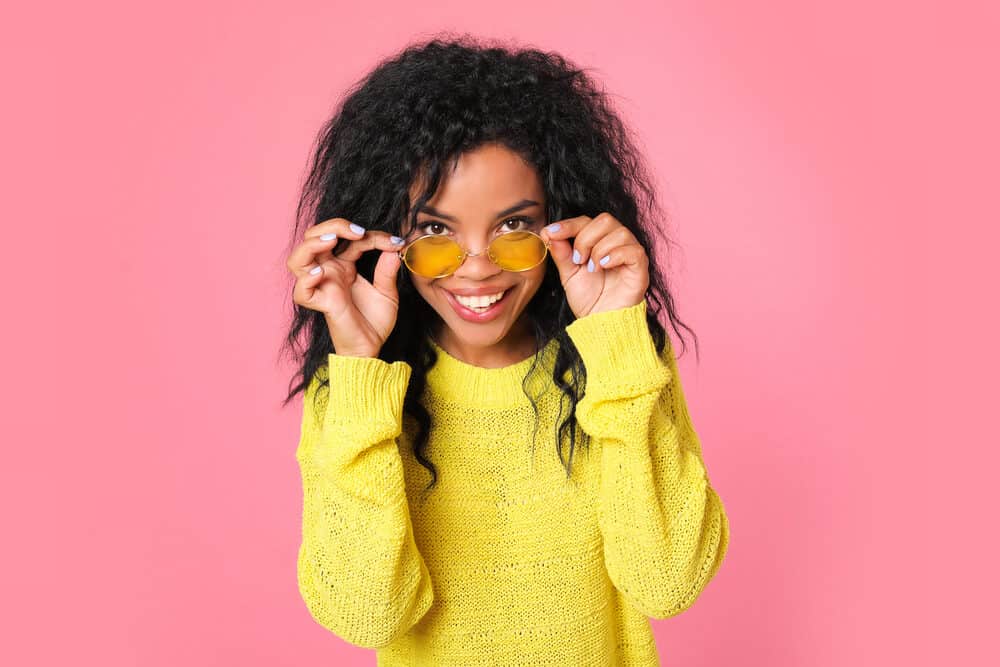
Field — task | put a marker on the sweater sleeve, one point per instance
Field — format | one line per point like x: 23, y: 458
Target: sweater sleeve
x: 665, y: 529
x: 359, y: 571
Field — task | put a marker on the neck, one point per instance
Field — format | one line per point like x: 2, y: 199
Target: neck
x: 516, y: 346
x: 503, y: 386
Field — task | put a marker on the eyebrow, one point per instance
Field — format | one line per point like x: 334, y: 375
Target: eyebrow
x: 524, y: 203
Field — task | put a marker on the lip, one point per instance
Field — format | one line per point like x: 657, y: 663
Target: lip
x: 470, y: 315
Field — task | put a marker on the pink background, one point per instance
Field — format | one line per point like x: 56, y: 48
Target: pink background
x: 826, y: 166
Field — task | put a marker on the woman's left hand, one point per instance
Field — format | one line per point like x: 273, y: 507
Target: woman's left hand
x: 592, y: 287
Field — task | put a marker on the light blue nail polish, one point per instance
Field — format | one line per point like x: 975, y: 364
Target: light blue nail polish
x: 576, y: 257
x: 554, y: 227
x: 396, y: 240
x: 605, y: 260
x: 357, y: 229
x: 590, y: 265
x: 327, y: 237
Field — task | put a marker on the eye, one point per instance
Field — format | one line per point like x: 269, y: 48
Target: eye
x: 425, y: 228
x: 435, y: 228
x: 523, y: 221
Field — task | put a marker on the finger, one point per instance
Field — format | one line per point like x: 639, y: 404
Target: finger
x: 305, y: 286
x: 565, y: 229
x: 618, y: 236
x: 311, y: 252
x: 333, y: 228
x: 372, y: 240
x: 561, y: 252
x: 632, y: 254
x: 342, y: 227
x: 384, y: 277
x: 590, y: 234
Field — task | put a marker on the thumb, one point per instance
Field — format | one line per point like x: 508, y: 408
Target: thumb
x: 384, y: 277
x: 561, y: 251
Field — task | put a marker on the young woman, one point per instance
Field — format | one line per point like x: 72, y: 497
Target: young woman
x: 477, y: 290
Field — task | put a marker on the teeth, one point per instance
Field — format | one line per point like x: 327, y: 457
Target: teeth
x: 478, y: 301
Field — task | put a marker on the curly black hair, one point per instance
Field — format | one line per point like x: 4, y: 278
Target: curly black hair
x: 412, y: 116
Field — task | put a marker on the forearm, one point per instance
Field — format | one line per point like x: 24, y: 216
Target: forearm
x: 359, y: 570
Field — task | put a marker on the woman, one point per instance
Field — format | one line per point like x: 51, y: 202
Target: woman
x: 477, y: 290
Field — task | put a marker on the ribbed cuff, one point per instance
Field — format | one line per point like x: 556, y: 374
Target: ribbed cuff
x: 618, y: 351
x: 365, y: 390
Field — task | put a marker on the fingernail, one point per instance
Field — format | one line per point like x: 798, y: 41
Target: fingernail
x: 396, y: 240
x: 605, y: 259
x: 327, y: 237
x: 357, y: 229
x: 315, y: 270
x: 576, y: 257
x: 554, y: 227
x: 590, y: 265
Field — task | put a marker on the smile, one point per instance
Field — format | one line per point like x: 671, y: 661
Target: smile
x: 478, y: 308
x: 479, y: 303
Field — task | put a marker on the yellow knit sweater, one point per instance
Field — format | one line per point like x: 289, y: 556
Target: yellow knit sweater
x: 506, y: 561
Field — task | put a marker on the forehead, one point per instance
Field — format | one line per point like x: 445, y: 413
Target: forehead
x: 481, y: 183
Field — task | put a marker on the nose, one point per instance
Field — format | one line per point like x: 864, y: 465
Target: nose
x: 477, y: 266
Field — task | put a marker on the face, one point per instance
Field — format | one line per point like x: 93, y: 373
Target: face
x: 473, y: 206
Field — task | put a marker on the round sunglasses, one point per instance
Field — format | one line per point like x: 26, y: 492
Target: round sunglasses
x: 437, y: 256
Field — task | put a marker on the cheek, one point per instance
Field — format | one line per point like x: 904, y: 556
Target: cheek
x: 531, y: 281
x: 424, y: 288
x: 535, y: 277
x: 422, y: 285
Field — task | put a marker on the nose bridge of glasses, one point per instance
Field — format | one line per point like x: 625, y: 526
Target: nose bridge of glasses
x: 469, y: 244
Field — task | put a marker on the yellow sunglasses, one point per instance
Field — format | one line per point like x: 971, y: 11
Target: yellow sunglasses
x: 437, y: 256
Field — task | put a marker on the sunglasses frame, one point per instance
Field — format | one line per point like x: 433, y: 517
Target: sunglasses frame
x: 465, y: 254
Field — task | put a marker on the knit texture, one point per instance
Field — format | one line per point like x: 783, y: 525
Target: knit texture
x: 507, y: 561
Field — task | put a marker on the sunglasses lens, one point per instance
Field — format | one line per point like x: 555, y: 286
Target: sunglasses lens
x: 517, y: 251
x: 433, y: 256
x: 439, y: 256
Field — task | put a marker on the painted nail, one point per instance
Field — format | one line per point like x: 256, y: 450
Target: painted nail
x: 315, y: 270
x: 327, y: 237
x: 357, y: 229
x: 605, y: 260
x: 590, y: 265
x: 576, y: 257
x: 396, y: 240
x: 554, y: 227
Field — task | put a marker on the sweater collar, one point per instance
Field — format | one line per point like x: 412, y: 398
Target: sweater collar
x: 456, y: 381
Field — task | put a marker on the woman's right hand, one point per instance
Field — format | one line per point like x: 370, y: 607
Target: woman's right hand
x: 359, y: 314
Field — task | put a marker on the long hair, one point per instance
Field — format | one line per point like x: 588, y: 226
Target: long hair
x: 412, y: 116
